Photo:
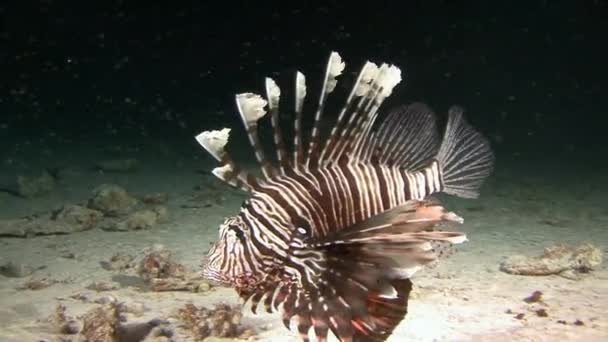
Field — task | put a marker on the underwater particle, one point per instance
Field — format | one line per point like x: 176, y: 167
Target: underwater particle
x: 118, y: 165
x: 535, y: 297
x: 36, y: 186
x: 112, y: 200
x: 578, y: 322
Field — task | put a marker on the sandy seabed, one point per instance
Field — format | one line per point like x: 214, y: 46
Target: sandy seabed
x: 524, y: 207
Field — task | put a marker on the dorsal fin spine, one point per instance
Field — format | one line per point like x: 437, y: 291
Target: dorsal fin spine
x: 298, y: 154
x: 382, y: 87
x: 214, y: 142
x: 334, y: 68
x: 345, y: 141
x: 273, y: 93
x: 251, y: 107
x: 358, y: 90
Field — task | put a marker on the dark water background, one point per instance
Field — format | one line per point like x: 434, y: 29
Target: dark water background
x: 531, y: 74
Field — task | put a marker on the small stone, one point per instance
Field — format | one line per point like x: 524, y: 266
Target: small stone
x: 70, y: 328
x: 37, y: 284
x: 36, y: 186
x: 112, y: 200
x: 157, y: 198
x: 16, y: 270
x: 103, y: 286
x: 143, y: 219
x: 542, y: 313
x: 105, y: 300
x: 118, y: 262
x: 204, y: 287
x: 135, y: 308
x: 68, y: 255
x: 79, y: 217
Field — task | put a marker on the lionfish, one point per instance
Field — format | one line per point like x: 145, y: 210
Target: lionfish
x: 333, y: 230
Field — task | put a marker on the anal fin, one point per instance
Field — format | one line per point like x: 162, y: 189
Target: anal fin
x: 384, y: 313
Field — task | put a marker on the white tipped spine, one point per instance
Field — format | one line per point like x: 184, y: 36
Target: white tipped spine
x: 298, y: 154
x: 273, y: 93
x: 223, y: 172
x: 390, y: 77
x: 300, y: 91
x: 251, y: 106
x: 335, y: 68
x: 214, y: 142
x: 368, y: 74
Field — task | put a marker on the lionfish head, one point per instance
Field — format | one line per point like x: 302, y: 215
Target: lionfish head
x: 226, y: 263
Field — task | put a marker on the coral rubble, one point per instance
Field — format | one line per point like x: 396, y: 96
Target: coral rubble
x: 567, y: 261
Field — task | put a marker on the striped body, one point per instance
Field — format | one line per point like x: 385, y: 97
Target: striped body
x: 321, y: 201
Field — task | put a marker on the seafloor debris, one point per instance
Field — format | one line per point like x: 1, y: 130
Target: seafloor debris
x: 541, y: 313
x: 110, y: 208
x: 141, y: 219
x: 112, y: 200
x: 101, y: 286
x: 159, y: 263
x: 119, y: 262
x: 77, y: 216
x: 67, y: 219
x: 37, y: 283
x: 221, y: 321
x: 161, y: 273
x: 65, y: 325
x: 35, y: 186
x: 108, y: 323
x: 155, y: 199
x: 535, y: 297
x: 567, y: 261
x: 118, y: 165
x: 17, y: 269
